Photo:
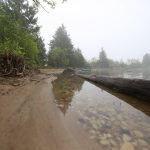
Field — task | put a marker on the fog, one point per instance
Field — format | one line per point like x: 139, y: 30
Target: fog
x: 121, y: 27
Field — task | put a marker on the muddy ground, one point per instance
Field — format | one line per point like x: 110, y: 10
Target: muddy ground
x: 30, y: 120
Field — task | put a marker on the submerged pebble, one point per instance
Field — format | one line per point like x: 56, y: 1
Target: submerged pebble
x: 126, y: 138
x: 127, y: 146
x: 110, y: 122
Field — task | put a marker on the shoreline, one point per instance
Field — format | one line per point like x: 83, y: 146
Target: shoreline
x: 30, y: 120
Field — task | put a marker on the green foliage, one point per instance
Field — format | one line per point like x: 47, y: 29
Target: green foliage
x: 61, y: 39
x: 19, y: 32
x: 13, y: 39
x: 52, y: 3
x: 77, y: 59
x: 62, y: 53
x: 58, y: 58
x: 9, y: 35
x: 42, y: 52
x: 23, y: 13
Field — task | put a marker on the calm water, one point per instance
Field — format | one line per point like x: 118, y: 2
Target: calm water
x: 113, y: 120
x: 141, y: 73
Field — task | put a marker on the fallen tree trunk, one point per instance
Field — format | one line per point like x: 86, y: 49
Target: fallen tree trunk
x: 138, y: 88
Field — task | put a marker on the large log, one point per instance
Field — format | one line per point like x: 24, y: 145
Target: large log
x: 138, y: 88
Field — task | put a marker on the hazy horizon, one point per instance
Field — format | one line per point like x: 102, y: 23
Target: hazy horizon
x: 122, y: 28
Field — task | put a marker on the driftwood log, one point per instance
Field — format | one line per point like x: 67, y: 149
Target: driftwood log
x: 138, y: 88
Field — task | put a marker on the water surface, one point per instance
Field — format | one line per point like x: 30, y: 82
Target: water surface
x: 111, y: 119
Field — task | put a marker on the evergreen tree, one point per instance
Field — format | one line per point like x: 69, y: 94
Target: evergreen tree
x: 61, y: 39
x: 103, y: 61
x: 58, y: 58
x: 146, y: 60
x: 25, y: 14
x: 62, y: 53
x: 78, y: 60
x: 42, y: 52
x: 52, y: 3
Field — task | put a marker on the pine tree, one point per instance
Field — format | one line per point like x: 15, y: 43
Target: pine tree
x: 103, y: 61
x: 146, y: 60
x: 61, y: 39
x: 25, y: 14
x: 42, y: 52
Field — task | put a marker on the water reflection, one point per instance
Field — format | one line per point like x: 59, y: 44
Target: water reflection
x: 109, y: 119
x: 142, y: 73
x: 64, y: 88
x: 141, y: 105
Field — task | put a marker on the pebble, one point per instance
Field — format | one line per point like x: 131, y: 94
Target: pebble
x: 108, y: 125
x: 102, y: 122
x: 126, y: 138
x: 60, y: 105
x: 138, y: 133
x: 142, y: 142
x: 109, y: 136
x: 94, y: 125
x: 104, y: 137
x: 104, y: 142
x: 127, y: 146
x: 125, y: 131
x: 113, y: 142
x: 93, y: 132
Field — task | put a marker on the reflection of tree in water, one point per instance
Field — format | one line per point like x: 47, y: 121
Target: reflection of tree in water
x: 64, y: 88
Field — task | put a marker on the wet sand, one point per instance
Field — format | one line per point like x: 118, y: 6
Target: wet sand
x: 29, y: 120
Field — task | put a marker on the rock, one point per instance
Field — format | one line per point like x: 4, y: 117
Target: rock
x: 60, y: 105
x: 126, y: 138
x: 104, y: 137
x: 68, y: 71
x: 127, y: 146
x: 142, y: 142
x: 15, y: 84
x: 102, y: 122
x: 93, y: 132
x: 108, y: 125
x: 138, y: 133
x: 125, y: 131
x: 109, y: 136
x: 94, y: 125
x: 82, y: 120
x: 104, y: 142
x: 135, y: 143
x: 113, y: 142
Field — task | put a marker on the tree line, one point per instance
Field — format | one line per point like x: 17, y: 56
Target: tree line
x: 104, y: 62
x: 21, y: 46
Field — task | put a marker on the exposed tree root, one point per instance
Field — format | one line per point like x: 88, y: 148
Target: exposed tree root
x: 12, y: 65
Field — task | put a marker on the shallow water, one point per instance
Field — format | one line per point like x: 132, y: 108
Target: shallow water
x: 113, y: 120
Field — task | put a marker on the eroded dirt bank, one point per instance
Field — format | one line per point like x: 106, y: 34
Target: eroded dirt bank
x: 29, y: 120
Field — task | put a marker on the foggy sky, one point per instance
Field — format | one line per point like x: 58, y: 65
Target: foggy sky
x: 121, y: 27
